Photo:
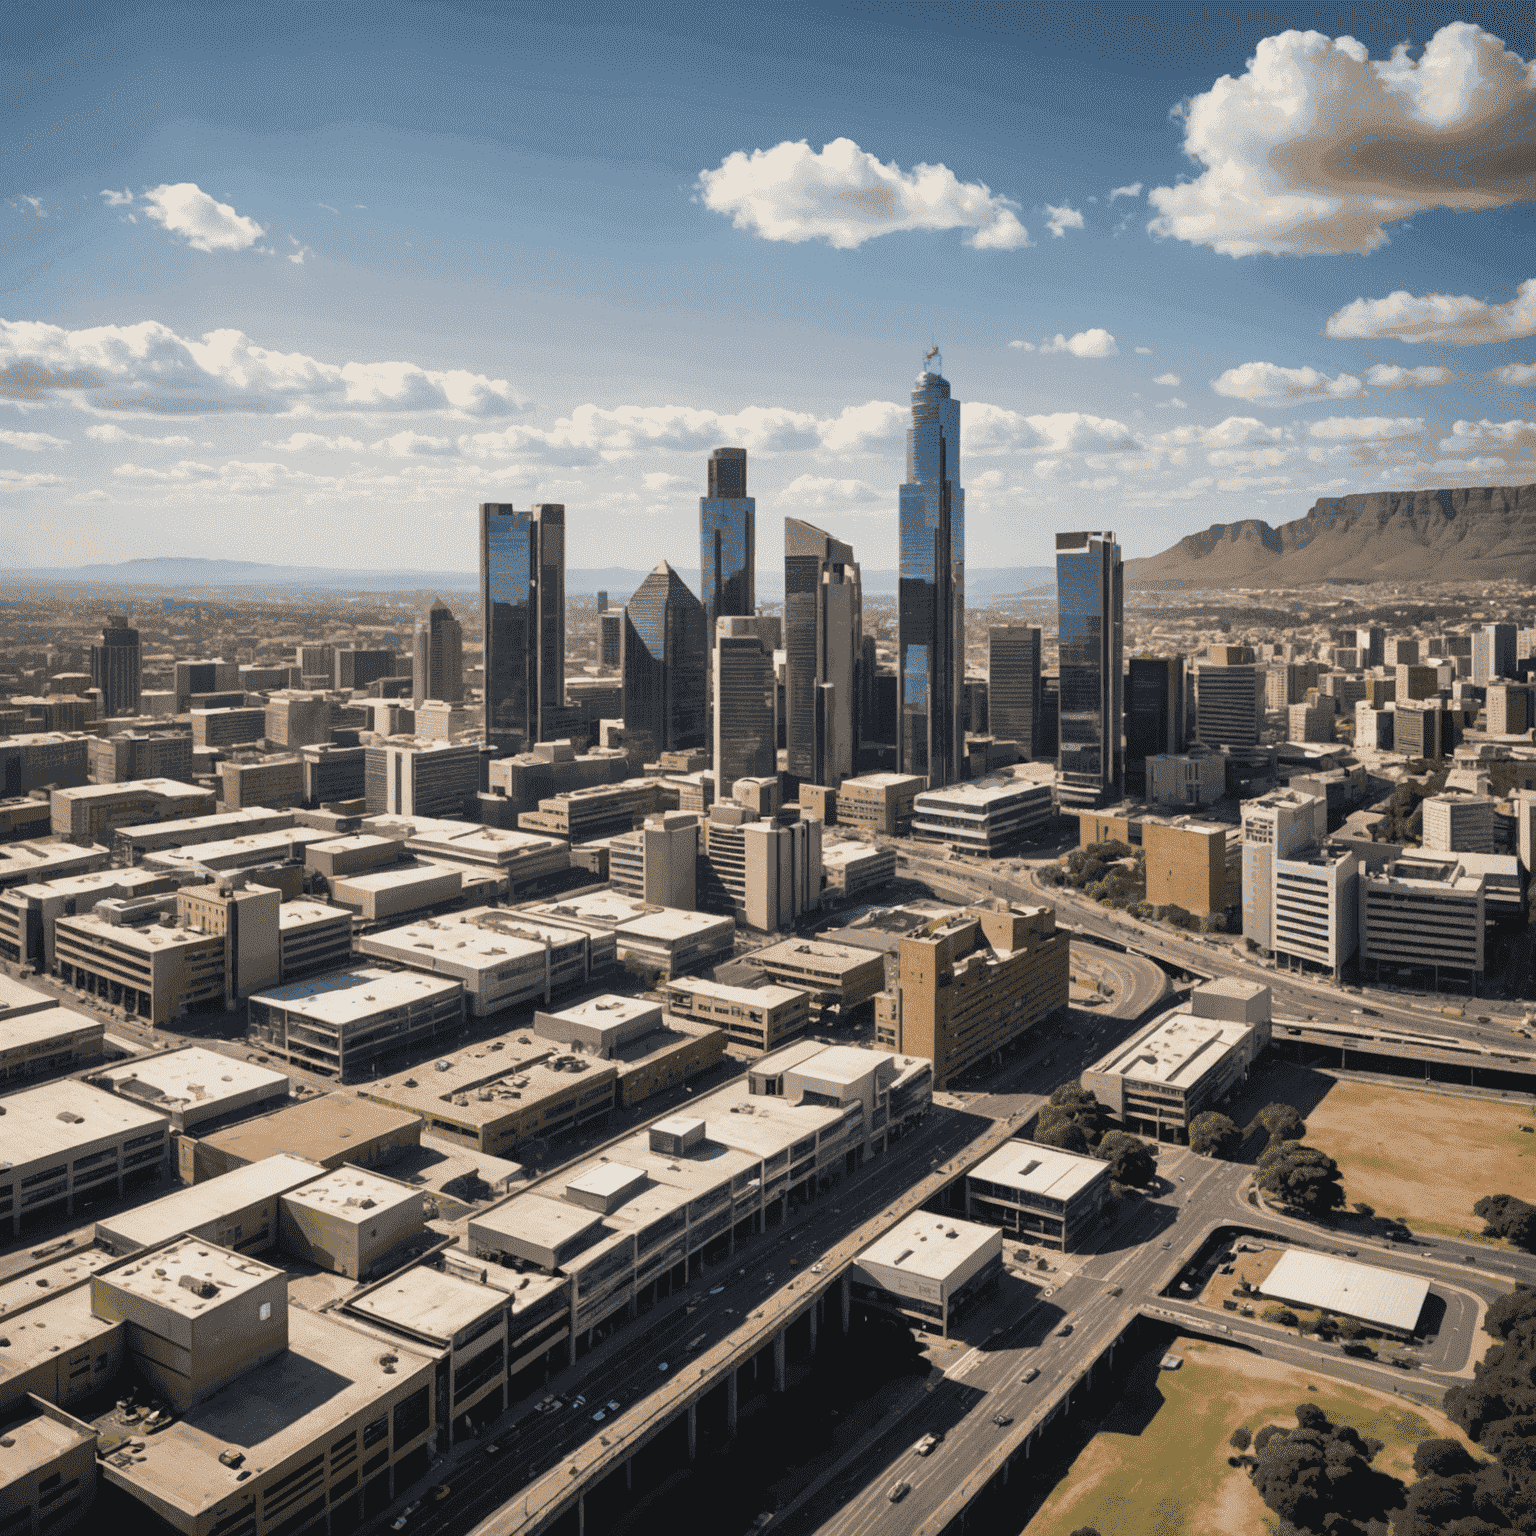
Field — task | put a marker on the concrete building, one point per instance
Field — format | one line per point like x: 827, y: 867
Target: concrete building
x: 25, y: 817
x: 1314, y: 917
x: 1189, y: 864
x: 422, y: 779
x: 48, y: 1473
x: 357, y: 668
x: 1229, y: 698
x: 1509, y: 710
x: 1039, y: 1194
x: 523, y: 860
x: 852, y: 870
x: 928, y: 1269
x: 135, y: 755
x: 392, y: 895
x: 195, y: 1086
x: 333, y: 773
x: 348, y: 1221
x: 1416, y: 682
x: 1400, y: 651
x: 658, y: 943
x: 312, y: 937
x: 1493, y: 652
x: 131, y: 844
x: 879, y: 802
x: 46, y: 1043
x: 89, y: 813
x: 1374, y: 728
x: 549, y: 769
x: 1275, y: 825
x: 651, y: 1050
x: 35, y: 759
x: 127, y: 954
x: 65, y: 1138
x: 1424, y: 913
x: 245, y: 915
x: 1458, y: 824
x: 40, y: 863
x: 985, y: 818
x: 1013, y: 685
x: 28, y: 913
x: 333, y: 1129
x: 756, y: 1019
x: 823, y: 655
x: 343, y: 1023
x: 271, y: 782
x: 1384, y: 1299
x: 665, y: 661
x: 1197, y: 777
x: 228, y: 727
x: 601, y: 810
x: 1310, y: 722
x: 295, y: 720
x: 764, y: 873
x: 971, y: 984
x: 18, y: 999
x: 745, y: 702
x: 437, y: 670
x: 840, y: 979
x: 658, y: 863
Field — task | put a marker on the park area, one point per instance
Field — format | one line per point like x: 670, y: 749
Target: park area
x: 1158, y: 1465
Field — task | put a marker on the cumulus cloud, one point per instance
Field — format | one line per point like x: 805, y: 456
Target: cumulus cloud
x: 1469, y: 467
x: 1317, y: 147
x: 107, y: 432
x: 24, y: 480
x: 876, y: 426
x: 1515, y: 373
x: 411, y: 445
x: 1060, y: 220
x: 1391, y: 376
x: 32, y: 442
x: 1173, y: 403
x: 1456, y: 320
x: 1095, y: 343
x: 1367, y: 428
x: 1144, y: 351
x: 1168, y: 380
x: 845, y: 196
x: 1270, y: 384
x: 825, y: 491
x: 184, y: 210
x: 990, y: 429
x: 1102, y: 483
x: 660, y: 480
x: 1247, y: 458
x: 117, y: 199
x: 149, y: 368
x: 1499, y: 434
x: 1133, y: 190
x: 1025, y: 346
x: 301, y: 442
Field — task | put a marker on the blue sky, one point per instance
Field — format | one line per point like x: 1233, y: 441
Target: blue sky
x: 307, y: 283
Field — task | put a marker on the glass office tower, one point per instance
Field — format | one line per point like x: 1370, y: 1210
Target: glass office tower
x: 115, y: 668
x: 666, y: 661
x: 522, y: 608
x: 437, y: 657
x: 1013, y: 685
x: 931, y: 621
x: 1090, y: 599
x: 823, y: 654
x: 727, y: 540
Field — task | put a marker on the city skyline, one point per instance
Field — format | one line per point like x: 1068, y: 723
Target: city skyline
x: 200, y: 274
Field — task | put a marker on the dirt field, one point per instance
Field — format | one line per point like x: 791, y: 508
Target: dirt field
x: 1159, y: 1465
x: 1424, y: 1157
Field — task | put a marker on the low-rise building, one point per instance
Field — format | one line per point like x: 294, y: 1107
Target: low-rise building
x: 59, y: 1352
x: 599, y: 810
x: 28, y: 912
x: 1039, y: 1194
x: 1424, y: 913
x: 851, y: 870
x: 250, y: 850
x: 131, y: 844
x: 1458, y: 823
x: 522, y: 860
x: 16, y: 999
x: 387, y: 894
x: 1384, y: 1299
x: 129, y: 755
x: 349, y: 1220
x: 879, y: 802
x: 336, y: 1128
x: 1191, y: 865
x: 273, y: 782
x: 985, y: 817
x: 1196, y: 777
x: 47, y: 1043
x: 90, y: 813
x: 756, y: 1019
x: 32, y: 863
x: 312, y: 937
x: 228, y: 727
x: 928, y: 1269
x: 138, y: 960
x: 840, y: 979
x: 195, y: 1086
x: 47, y: 1472
x: 25, y: 816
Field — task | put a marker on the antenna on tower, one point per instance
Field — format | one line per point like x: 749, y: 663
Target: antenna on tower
x: 929, y: 356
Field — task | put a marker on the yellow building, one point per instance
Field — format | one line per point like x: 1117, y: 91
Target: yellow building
x: 1187, y: 865
x: 1102, y: 827
x: 971, y: 984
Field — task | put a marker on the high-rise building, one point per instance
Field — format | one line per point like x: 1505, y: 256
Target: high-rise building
x: 115, y: 668
x: 1277, y: 825
x: 1493, y: 652
x: 1371, y: 643
x: 1013, y: 686
x: 727, y: 539
x: 931, y: 603
x: 602, y: 602
x: 522, y: 611
x: 1154, y: 710
x: 1090, y: 602
x: 746, y: 697
x: 610, y: 638
x: 1509, y: 709
x: 1229, y: 699
x: 823, y: 654
x: 665, y: 661
x: 437, y: 650
x: 357, y: 669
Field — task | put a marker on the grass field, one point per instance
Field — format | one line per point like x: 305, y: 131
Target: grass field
x: 1424, y: 1157
x: 1158, y: 1467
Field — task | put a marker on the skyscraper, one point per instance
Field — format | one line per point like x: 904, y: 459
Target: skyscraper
x: 727, y: 539
x: 437, y: 650
x: 1013, y: 685
x: 115, y: 668
x: 1090, y: 607
x: 823, y: 654
x: 746, y: 698
x: 665, y: 661
x: 1154, y: 711
x: 1493, y: 652
x: 931, y: 602
x: 522, y: 609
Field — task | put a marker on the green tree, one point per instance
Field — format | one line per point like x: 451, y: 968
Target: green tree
x: 1070, y: 1105
x: 1318, y: 1476
x: 1066, y: 1134
x: 1283, y: 1122
x: 1302, y: 1176
x: 1240, y: 1439
x: 1130, y: 1159
x: 1509, y: 1217
x: 1213, y: 1134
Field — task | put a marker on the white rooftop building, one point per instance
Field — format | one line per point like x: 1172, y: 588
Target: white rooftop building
x: 1385, y: 1298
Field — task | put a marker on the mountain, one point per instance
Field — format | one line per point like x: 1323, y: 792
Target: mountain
x: 1483, y: 533
x: 177, y: 574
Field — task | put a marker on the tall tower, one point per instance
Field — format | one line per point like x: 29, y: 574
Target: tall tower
x: 1090, y: 601
x: 823, y: 654
x: 115, y: 668
x: 522, y: 608
x: 746, y: 704
x: 1013, y: 685
x: 727, y: 540
x: 437, y: 657
x: 665, y: 661
x: 930, y: 671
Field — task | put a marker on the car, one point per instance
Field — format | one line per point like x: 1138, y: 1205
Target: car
x: 549, y: 1405
x: 899, y: 1491
x: 1002, y: 1419
x: 1351, y: 1252
x: 580, y: 1401
x: 1167, y: 1245
x: 441, y: 1492
x: 816, y: 1269
x: 716, y: 1290
x: 925, y: 1446
x: 1116, y: 1290
x: 662, y: 1366
x: 1030, y: 1374
x: 1064, y: 1330
x: 1361, y: 1351
x: 401, y: 1523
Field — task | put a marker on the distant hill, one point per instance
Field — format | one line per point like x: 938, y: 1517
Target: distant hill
x: 174, y: 573
x: 1477, y: 534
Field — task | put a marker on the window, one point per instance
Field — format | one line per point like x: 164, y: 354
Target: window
x: 266, y: 1311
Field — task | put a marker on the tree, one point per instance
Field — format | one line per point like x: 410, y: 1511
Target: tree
x: 1509, y: 1217
x: 1213, y: 1134
x: 1074, y: 1106
x: 1240, y: 1439
x: 1282, y: 1121
x: 1302, y: 1176
x: 1318, y: 1476
x: 1130, y: 1159
x: 1068, y: 1135
x: 1441, y: 1458
x: 1362, y: 1209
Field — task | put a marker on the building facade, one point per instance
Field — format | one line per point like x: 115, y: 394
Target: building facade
x: 727, y: 540
x: 1090, y: 598
x: 823, y: 654
x: 666, y: 662
x: 522, y: 614
x: 116, y: 669
x: 437, y: 657
x: 1013, y: 686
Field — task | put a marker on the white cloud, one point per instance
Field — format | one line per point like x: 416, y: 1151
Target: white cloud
x: 32, y: 442
x: 1062, y: 219
x: 234, y: 477
x: 1515, y: 373
x: 1270, y: 384
x: 148, y: 367
x: 1251, y: 482
x: 1468, y: 467
x: 184, y: 210
x: 297, y: 442
x: 1391, y: 376
x: 1317, y: 147
x: 1248, y: 458
x: 1173, y: 403
x: 297, y: 257
x: 988, y: 481
x: 875, y: 426
x: 824, y: 491
x: 117, y: 199
x: 21, y: 480
x: 1095, y: 343
x: 1026, y: 346
x: 845, y: 196
x: 1451, y: 320
x: 106, y: 432
x: 1501, y: 434
x: 660, y: 480
x: 1169, y: 380
x: 327, y: 207
x: 1103, y: 483
x: 1144, y: 351
x: 1133, y: 190
x: 1046, y: 469
x: 1367, y: 428
x: 408, y: 445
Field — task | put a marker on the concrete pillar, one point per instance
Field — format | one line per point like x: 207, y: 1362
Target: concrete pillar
x: 815, y: 1307
x: 780, y: 1361
x: 847, y: 1298
x: 629, y: 1472
x: 731, y: 1395
x: 581, y: 1506
x: 693, y: 1431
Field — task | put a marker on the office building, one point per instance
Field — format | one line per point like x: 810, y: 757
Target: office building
x: 1371, y: 643
x: 1416, y: 682
x: 1229, y: 699
x: 356, y: 669
x: 755, y: 1019
x: 331, y: 1130
x: 47, y: 1042
x: 1275, y: 826
x: 657, y: 863
x: 879, y: 802
x: 437, y: 657
x: 764, y: 873
x: 522, y: 608
x: 1423, y: 728
x: 1314, y: 914
x: 745, y: 704
x: 1374, y: 728
x: 1400, y: 651
x: 655, y: 944
x: 115, y: 668
x: 1039, y: 1194
x: 601, y: 810
x: 928, y: 1270
x: 1424, y: 913
x: 1195, y: 777
x: 727, y: 541
x: 25, y: 817
x: 1090, y: 601
x: 1509, y: 710
x: 271, y: 783
x: 297, y: 720
x: 930, y: 667
x: 986, y: 817
x: 140, y: 755
x: 840, y: 979
x: 1310, y: 722
x: 1154, y: 713
x: 610, y: 639
x: 329, y: 774
x: 228, y: 727
x: 1013, y: 686
x: 665, y: 662
x: 971, y: 983
x: 48, y: 1481
x: 316, y: 662
x: 42, y: 759
x: 1345, y: 658
x: 348, y: 1221
x: 823, y: 654
x: 1187, y: 865
x: 1286, y: 683
x: 28, y: 913
x: 852, y: 870
x: 90, y: 813
x: 1493, y: 652
x: 1457, y: 823
x: 1185, y: 1061
x: 422, y: 779
x: 28, y: 863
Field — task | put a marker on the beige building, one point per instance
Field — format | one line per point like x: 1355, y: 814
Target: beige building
x: 273, y: 782
x: 971, y: 984
x: 28, y: 912
x: 47, y: 1471
x: 757, y: 1019
x: 59, y: 1350
x: 928, y: 1269
x: 851, y: 870
x: 331, y: 1130
x: 1187, y: 865
x: 349, y: 1220
x: 151, y: 970
x: 840, y: 978
x: 765, y: 874
x: 312, y: 937
x: 880, y: 802
x: 657, y: 863
x: 195, y: 1086
x: 46, y: 1043
x: 1039, y: 1194
x: 1197, y: 777
x: 90, y: 813
x: 1456, y: 823
x: 30, y: 863
x: 228, y: 727
x: 245, y: 915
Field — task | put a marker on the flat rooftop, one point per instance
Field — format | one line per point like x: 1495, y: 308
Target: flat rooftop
x: 430, y: 1302
x: 933, y: 1247
x: 145, y: 938
x: 488, y: 845
x: 852, y: 853
x: 879, y: 781
x: 400, y: 877
x: 158, y: 1276
x: 343, y: 998
x: 184, y: 1210
x: 1177, y: 1049
x: 35, y: 1442
x: 22, y: 1029
x: 424, y: 942
x: 54, y: 1119
x: 670, y: 924
x: 296, y: 915
x: 36, y: 1286
x: 601, y: 909
x: 1046, y: 1172
x: 127, y: 788
x: 319, y: 1128
x: 104, y: 882
x: 980, y: 795
x: 17, y: 998
x: 1386, y: 1297
x: 54, y: 1328
x: 352, y: 1193
x: 608, y: 1010
x: 824, y: 956
x: 769, y: 995
x: 190, y: 1077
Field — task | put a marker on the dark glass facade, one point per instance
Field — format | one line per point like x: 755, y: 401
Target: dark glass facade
x: 727, y: 540
x: 1154, y: 707
x: 522, y: 606
x: 115, y: 668
x: 823, y: 654
x: 1013, y: 685
x: 666, y: 662
x: 931, y: 584
x: 1090, y: 602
